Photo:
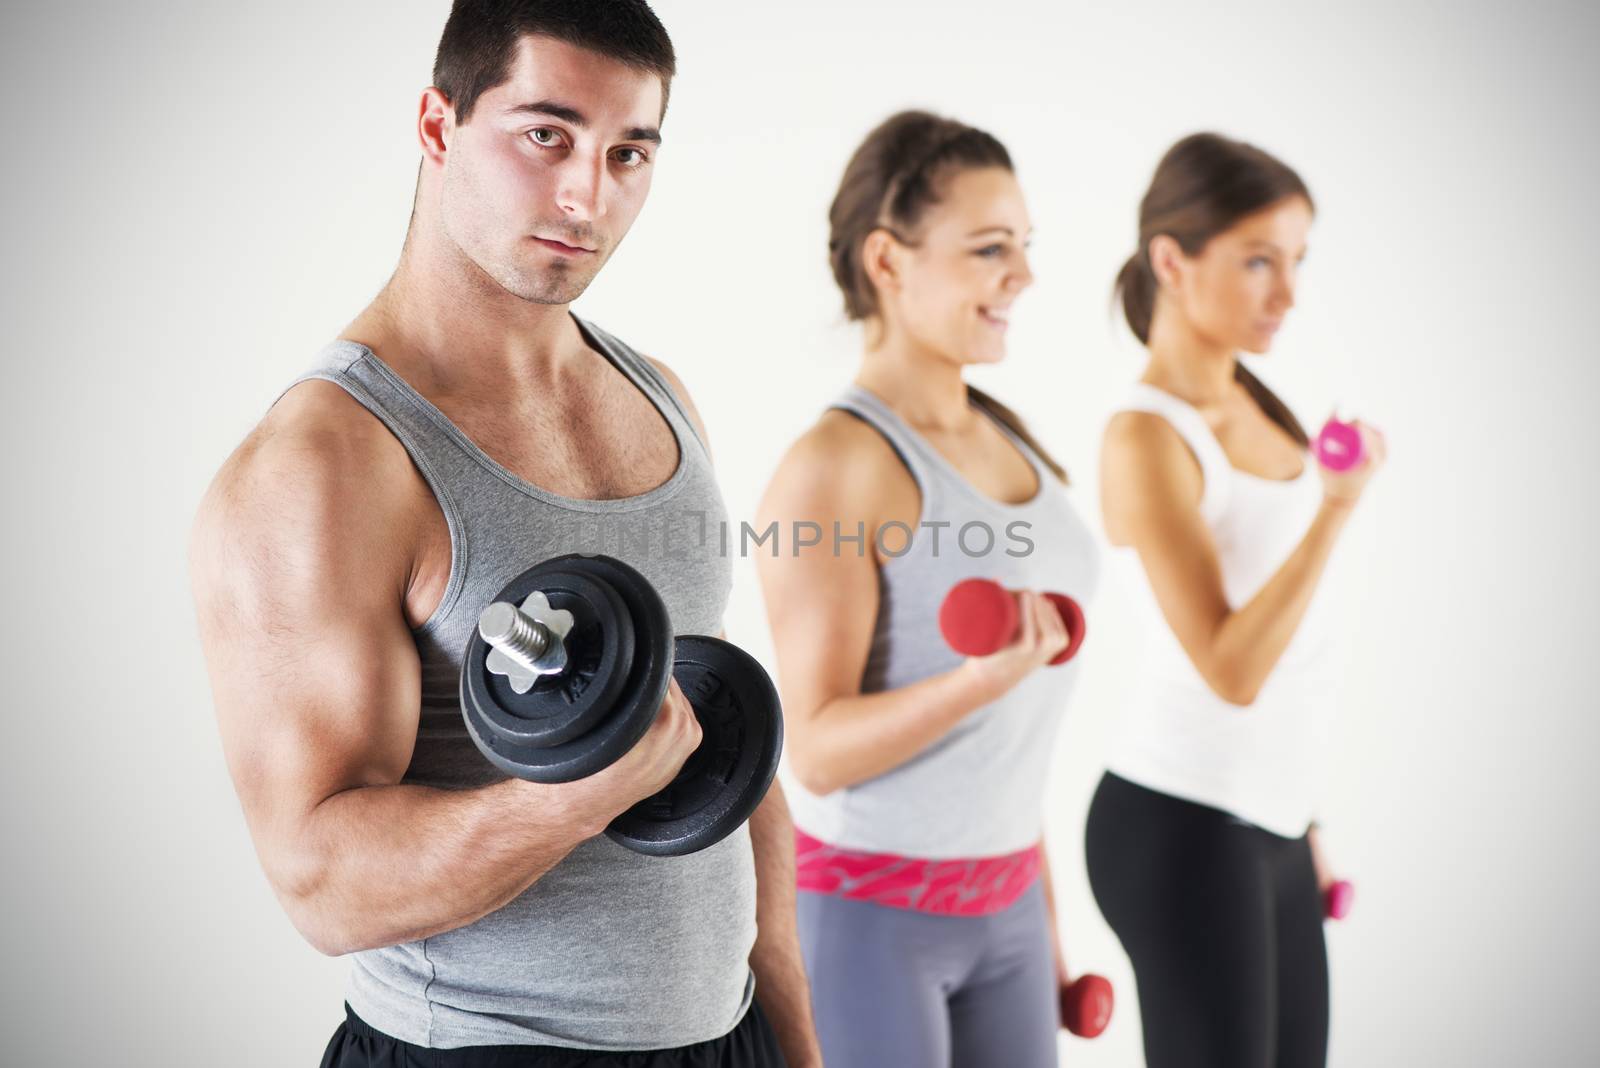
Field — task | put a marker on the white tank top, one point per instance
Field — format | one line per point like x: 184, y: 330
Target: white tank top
x: 1261, y: 763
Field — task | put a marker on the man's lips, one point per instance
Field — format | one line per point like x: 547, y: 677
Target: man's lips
x: 562, y: 247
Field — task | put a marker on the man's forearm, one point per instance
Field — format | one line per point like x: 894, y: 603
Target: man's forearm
x: 780, y: 973
x: 392, y: 864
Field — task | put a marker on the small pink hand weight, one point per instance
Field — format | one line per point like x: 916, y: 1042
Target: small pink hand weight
x: 1338, y: 445
x: 1339, y: 899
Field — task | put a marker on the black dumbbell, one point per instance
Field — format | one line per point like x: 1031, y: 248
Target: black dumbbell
x: 566, y: 672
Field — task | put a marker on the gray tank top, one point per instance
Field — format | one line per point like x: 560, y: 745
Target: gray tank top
x: 979, y: 790
x: 610, y: 949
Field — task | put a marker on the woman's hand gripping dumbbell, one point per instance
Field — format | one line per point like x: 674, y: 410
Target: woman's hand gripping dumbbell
x: 573, y: 664
x: 981, y: 618
x: 1349, y: 454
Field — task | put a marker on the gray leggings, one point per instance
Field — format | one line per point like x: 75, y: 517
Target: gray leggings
x: 894, y: 987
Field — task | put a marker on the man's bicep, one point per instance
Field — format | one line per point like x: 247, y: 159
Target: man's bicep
x: 315, y: 676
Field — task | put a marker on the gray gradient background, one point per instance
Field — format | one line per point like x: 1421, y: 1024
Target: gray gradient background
x: 196, y: 196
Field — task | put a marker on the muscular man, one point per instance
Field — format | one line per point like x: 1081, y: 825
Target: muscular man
x: 465, y: 426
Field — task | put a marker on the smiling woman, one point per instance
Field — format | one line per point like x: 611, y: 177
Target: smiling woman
x: 920, y: 772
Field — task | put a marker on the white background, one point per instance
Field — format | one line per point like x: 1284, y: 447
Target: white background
x: 197, y: 196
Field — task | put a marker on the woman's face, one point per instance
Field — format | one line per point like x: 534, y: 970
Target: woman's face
x: 1237, y: 291
x: 956, y: 285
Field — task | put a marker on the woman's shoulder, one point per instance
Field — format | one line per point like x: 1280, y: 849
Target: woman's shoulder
x: 1143, y: 458
x: 841, y: 458
x: 1141, y: 437
x: 839, y: 437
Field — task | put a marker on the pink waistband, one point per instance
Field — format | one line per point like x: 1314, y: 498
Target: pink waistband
x: 975, y: 887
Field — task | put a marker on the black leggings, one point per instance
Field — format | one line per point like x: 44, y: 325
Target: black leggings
x: 1223, y: 923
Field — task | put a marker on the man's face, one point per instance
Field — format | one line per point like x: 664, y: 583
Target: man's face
x: 551, y: 169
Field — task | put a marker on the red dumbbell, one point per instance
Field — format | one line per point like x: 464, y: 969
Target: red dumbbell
x: 1339, y: 899
x: 980, y: 617
x: 1086, y: 1004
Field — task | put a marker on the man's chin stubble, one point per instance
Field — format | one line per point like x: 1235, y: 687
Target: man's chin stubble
x: 555, y: 285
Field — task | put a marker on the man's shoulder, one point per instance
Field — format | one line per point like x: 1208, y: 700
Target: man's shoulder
x: 675, y: 384
x: 319, y: 426
x: 317, y: 457
x: 621, y: 349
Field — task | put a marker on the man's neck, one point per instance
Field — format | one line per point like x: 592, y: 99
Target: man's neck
x: 447, y: 327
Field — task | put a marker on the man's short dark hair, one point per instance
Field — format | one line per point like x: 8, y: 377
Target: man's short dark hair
x: 480, y: 40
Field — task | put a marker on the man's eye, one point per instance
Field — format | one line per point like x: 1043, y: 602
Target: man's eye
x: 543, y: 135
x: 991, y: 250
x: 630, y: 157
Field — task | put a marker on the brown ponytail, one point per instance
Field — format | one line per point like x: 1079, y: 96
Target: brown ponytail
x: 893, y: 178
x: 1136, y: 285
x: 1013, y: 422
x: 1270, y: 403
x: 1203, y: 185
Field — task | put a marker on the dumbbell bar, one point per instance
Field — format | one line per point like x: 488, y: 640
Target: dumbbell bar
x: 1086, y: 1005
x: 567, y: 671
x: 980, y: 617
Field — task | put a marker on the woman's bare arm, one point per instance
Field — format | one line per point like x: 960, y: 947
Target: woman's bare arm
x: 1150, y: 489
x: 822, y: 605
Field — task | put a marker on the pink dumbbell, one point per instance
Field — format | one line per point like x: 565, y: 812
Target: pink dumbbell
x: 1339, y: 899
x: 980, y: 617
x: 1338, y: 445
x: 1086, y: 1004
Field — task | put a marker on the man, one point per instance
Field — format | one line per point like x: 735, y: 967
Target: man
x: 463, y: 428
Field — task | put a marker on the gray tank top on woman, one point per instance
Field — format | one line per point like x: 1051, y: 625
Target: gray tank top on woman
x: 609, y: 949
x: 979, y: 790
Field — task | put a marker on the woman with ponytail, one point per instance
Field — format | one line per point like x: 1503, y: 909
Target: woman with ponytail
x: 925, y: 910
x: 1199, y: 841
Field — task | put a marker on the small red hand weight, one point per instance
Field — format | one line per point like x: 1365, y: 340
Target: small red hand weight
x: 1086, y: 1005
x: 1339, y: 899
x: 980, y: 617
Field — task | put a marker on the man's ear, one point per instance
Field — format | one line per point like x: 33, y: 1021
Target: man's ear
x: 436, y: 125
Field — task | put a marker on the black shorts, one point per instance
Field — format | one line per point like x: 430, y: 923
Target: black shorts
x: 357, y: 1045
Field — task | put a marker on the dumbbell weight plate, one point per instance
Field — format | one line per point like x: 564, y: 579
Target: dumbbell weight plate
x: 599, y: 646
x: 1086, y: 1006
x: 572, y: 724
x: 978, y: 617
x: 1077, y: 627
x: 726, y: 777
